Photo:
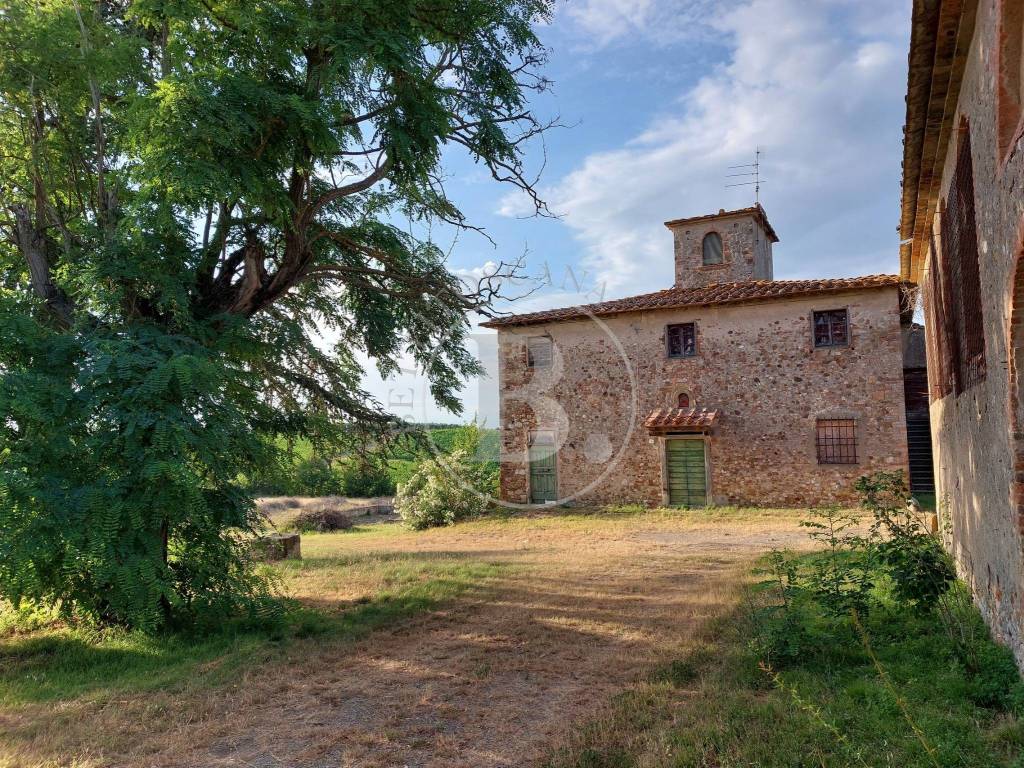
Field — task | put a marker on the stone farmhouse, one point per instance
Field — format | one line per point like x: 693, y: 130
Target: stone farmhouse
x: 962, y: 228
x: 730, y: 387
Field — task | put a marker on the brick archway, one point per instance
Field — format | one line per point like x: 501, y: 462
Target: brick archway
x: 1015, y: 347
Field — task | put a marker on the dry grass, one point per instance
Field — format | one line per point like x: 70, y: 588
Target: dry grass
x: 283, y: 510
x: 563, y: 611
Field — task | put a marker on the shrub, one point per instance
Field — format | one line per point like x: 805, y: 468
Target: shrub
x: 317, y: 477
x: 489, y: 478
x: 780, y: 609
x: 322, y: 517
x: 400, y: 470
x: 442, y: 491
x: 840, y: 577
x: 364, y: 478
x: 921, y: 570
x: 995, y: 681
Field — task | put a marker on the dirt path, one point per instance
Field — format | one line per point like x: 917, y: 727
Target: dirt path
x: 494, y: 680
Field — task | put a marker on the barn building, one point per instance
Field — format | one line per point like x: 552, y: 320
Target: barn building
x: 962, y: 231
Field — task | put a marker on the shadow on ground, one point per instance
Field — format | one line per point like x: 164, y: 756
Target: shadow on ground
x: 489, y: 675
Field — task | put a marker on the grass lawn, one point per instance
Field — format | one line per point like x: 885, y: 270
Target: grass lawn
x: 506, y: 641
x: 927, y: 501
x: 338, y: 596
x: 895, y: 696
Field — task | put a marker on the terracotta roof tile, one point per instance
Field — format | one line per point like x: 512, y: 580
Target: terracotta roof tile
x: 662, y: 419
x: 722, y: 293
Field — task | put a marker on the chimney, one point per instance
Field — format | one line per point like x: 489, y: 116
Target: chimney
x: 723, y: 247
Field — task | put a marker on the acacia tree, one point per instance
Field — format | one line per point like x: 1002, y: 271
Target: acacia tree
x: 193, y: 193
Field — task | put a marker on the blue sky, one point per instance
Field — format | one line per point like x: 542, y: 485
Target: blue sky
x: 661, y: 97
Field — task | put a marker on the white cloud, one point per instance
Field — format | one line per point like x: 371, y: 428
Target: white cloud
x: 598, y: 23
x: 816, y: 85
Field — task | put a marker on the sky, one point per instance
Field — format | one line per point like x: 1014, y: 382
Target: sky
x: 659, y: 99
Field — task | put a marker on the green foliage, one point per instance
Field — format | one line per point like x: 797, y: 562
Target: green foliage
x: 721, y: 705
x: 852, y: 574
x: 442, y: 491
x: 840, y: 577
x: 779, y: 610
x: 921, y: 570
x: 316, y: 477
x: 118, y: 476
x: 400, y: 470
x: 195, y: 195
x: 873, y: 602
x: 365, y: 478
x: 45, y: 661
x: 995, y: 682
x: 378, y: 473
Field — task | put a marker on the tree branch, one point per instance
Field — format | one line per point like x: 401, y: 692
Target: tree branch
x: 379, y: 172
x: 32, y: 242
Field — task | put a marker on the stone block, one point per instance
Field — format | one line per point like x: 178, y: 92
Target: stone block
x: 278, y: 546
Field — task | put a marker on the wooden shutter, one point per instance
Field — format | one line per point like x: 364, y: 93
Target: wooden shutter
x: 937, y: 331
x: 960, y: 257
x: 539, y: 351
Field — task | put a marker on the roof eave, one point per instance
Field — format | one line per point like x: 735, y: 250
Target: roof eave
x: 522, y: 321
x: 755, y: 210
x: 941, y: 33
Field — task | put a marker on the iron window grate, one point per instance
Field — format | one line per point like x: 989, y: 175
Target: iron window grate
x: 837, y: 441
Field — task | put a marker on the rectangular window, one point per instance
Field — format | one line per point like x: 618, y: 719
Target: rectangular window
x: 538, y: 351
x: 961, y: 272
x: 1010, y: 87
x: 937, y: 330
x: 837, y: 441
x: 831, y: 328
x: 681, y: 340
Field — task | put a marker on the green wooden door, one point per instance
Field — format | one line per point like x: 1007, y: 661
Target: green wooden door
x: 687, y: 473
x: 543, y: 478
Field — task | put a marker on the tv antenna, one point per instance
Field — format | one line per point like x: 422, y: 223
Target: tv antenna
x: 751, y: 172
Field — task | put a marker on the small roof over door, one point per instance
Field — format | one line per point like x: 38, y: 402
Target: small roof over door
x: 663, y: 420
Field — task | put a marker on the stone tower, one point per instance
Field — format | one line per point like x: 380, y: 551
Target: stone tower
x: 723, y: 247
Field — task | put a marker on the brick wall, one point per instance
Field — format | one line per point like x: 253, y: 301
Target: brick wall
x: 755, y: 362
x: 977, y: 438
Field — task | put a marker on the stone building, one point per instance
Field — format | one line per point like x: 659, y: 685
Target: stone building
x: 962, y: 228
x: 728, y: 388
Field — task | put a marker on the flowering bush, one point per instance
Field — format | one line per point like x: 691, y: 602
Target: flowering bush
x: 442, y: 491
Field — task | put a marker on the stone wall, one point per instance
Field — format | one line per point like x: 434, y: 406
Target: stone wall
x: 755, y: 362
x: 746, y: 251
x: 979, y: 458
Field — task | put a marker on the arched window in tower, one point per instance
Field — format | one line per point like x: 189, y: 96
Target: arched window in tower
x: 684, y: 400
x: 712, y: 248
